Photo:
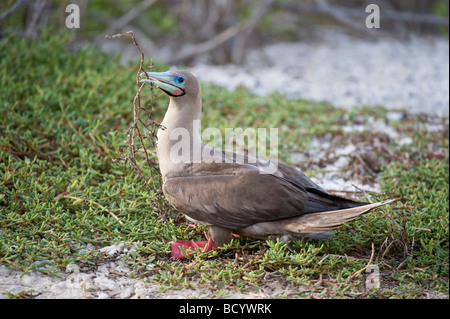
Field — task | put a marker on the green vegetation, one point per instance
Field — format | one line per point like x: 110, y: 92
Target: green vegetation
x: 63, y: 118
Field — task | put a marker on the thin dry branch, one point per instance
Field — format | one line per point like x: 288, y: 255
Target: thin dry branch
x: 237, y: 55
x: 347, y: 16
x: 240, y: 30
x: 365, y: 267
x: 415, y: 17
x: 16, y: 6
x: 124, y: 20
x: 209, y: 45
x: 136, y: 134
x: 337, y: 14
x: 36, y: 10
x: 134, y: 129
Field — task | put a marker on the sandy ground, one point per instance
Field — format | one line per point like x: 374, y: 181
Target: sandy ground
x: 413, y: 75
x: 109, y: 281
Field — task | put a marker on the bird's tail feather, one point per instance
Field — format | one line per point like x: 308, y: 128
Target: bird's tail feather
x: 326, y: 221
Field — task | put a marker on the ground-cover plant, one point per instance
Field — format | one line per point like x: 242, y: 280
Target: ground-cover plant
x: 63, y: 121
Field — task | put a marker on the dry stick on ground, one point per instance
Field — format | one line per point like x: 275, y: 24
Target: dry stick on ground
x: 369, y: 198
x: 365, y: 267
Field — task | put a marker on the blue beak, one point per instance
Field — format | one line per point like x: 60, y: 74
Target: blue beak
x: 164, y: 81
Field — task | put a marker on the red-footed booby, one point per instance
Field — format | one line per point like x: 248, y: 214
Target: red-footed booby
x: 233, y: 194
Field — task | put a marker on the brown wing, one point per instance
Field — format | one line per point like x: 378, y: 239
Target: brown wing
x: 234, y: 195
x: 317, y: 194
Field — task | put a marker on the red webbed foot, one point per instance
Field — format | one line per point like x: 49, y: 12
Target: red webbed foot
x: 180, y: 246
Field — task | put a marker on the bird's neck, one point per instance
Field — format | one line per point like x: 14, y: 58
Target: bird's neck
x: 179, y: 139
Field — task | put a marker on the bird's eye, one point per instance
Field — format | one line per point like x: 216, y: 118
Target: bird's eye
x: 180, y: 79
